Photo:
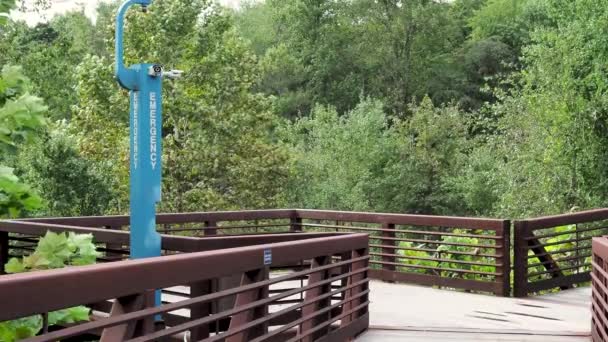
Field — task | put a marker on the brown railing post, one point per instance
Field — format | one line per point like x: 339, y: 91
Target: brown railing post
x: 247, y: 316
x: 210, y: 228
x: 599, y: 289
x: 505, y: 269
x: 350, y: 294
x: 200, y: 310
x: 390, y: 247
x: 131, y: 329
x: 357, y: 266
x: 295, y: 224
x: 311, y: 295
x: 520, y: 259
x: 113, y: 246
x: 3, y: 250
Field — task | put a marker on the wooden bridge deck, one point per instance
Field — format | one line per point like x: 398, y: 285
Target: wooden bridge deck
x: 413, y: 313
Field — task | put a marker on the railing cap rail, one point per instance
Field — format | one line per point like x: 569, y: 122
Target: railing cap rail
x: 393, y: 218
x: 165, y: 218
x: 565, y: 219
x: 404, y: 219
x: 169, y: 242
x: 600, y: 246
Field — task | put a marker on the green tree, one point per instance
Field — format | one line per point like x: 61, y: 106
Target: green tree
x: 218, y: 147
x: 5, y: 7
x: 49, y: 53
x: 21, y: 115
x: 431, y: 149
x: 331, y: 52
x: 359, y: 161
x: 254, y: 22
x: 71, y: 184
x: 339, y: 160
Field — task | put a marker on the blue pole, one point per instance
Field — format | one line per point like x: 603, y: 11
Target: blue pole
x: 144, y: 82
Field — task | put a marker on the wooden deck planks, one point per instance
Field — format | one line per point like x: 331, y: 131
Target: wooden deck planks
x: 412, y: 313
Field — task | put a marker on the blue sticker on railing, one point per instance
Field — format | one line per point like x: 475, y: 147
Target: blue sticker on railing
x: 267, y: 257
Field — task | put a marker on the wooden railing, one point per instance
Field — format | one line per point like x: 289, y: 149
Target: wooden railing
x: 554, y: 252
x: 18, y: 238
x: 196, y: 224
x: 309, y: 289
x: 599, y: 280
x: 450, y: 252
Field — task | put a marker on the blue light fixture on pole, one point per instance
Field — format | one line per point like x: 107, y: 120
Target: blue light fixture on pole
x: 144, y: 82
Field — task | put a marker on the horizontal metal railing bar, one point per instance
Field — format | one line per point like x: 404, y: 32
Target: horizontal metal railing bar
x: 433, y: 242
x: 133, y: 316
x: 598, y: 315
x: 598, y: 309
x: 135, y: 276
x: 597, y: 268
x: 398, y: 219
x: 479, y: 285
x: 559, y: 242
x: 113, y: 250
x: 215, y: 216
x: 601, y: 300
x: 399, y: 256
x: 23, y: 248
x: 565, y: 219
x: 436, y: 268
x: 403, y: 219
x: 566, y: 280
x: 557, y: 260
x: 16, y: 255
x: 559, y: 251
x: 428, y: 250
x: 23, y: 239
x: 101, y: 235
x: 534, y: 274
x: 583, y: 230
x: 286, y: 301
x: 598, y: 282
x: 396, y: 231
x: 179, y: 230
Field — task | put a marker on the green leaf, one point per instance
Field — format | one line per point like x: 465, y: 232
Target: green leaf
x: 57, y: 317
x: 36, y: 262
x: 68, y: 316
x: 54, y: 247
x: 14, y: 266
x: 20, y: 328
x: 78, y: 314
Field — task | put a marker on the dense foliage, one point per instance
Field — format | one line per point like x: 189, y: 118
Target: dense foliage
x: 469, y: 107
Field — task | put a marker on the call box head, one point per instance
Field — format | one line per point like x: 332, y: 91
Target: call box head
x: 155, y: 70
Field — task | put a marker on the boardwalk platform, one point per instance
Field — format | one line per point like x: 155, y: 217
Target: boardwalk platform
x: 413, y: 313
